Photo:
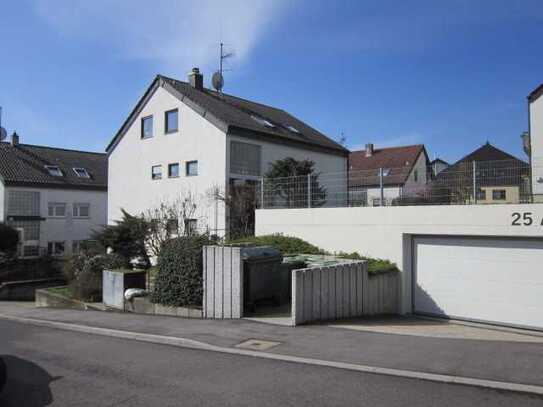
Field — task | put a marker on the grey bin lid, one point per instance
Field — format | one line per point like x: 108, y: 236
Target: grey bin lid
x: 260, y: 253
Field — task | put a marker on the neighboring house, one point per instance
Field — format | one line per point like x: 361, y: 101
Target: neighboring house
x: 400, y: 171
x: 438, y: 165
x: 499, y: 178
x: 183, y: 138
x: 535, y: 108
x: 54, y: 197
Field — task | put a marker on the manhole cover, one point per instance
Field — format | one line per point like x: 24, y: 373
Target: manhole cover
x: 257, y: 344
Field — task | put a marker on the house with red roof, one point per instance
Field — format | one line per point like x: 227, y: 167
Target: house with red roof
x: 378, y: 176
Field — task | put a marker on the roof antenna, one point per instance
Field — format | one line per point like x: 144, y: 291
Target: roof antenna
x: 3, y: 131
x: 217, y: 80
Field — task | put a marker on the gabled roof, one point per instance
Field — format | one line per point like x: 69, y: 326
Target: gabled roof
x: 438, y: 160
x: 234, y: 115
x: 536, y: 93
x: 494, y: 167
x: 24, y: 165
x: 363, y: 171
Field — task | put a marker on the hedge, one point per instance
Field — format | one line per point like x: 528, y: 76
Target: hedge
x: 293, y: 245
x: 285, y: 244
x: 179, y: 279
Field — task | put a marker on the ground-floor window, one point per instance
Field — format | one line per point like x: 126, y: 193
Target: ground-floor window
x: 56, y: 248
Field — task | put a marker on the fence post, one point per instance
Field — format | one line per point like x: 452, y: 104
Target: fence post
x: 262, y: 193
x: 309, y: 190
x: 474, y: 182
x: 381, y: 203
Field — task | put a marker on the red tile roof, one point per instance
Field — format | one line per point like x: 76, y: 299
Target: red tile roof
x: 399, y: 161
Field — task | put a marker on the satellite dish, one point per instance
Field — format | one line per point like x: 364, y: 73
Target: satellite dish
x: 3, y: 134
x: 217, y: 81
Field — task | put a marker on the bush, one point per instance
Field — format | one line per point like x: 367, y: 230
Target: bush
x: 16, y: 269
x: 285, y: 244
x: 85, y: 274
x: 375, y: 266
x: 179, y: 279
x: 9, y: 239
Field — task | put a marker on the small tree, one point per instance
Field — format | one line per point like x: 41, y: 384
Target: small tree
x: 241, y: 203
x: 170, y: 219
x: 127, y: 237
x: 9, y: 239
x: 294, y: 191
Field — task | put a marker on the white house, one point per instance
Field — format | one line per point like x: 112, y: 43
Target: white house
x: 182, y: 138
x: 55, y: 197
x: 535, y: 108
x: 396, y: 171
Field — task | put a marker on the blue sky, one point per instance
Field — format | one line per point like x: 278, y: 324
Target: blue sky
x: 451, y: 75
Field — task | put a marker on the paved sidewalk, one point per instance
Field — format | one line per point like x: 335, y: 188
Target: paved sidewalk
x: 515, y: 362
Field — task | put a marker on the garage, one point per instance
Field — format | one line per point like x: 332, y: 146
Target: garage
x: 498, y: 280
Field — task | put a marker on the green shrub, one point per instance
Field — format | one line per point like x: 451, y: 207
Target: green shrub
x: 285, y: 244
x: 84, y: 273
x: 179, y: 279
x: 375, y: 266
x: 9, y: 239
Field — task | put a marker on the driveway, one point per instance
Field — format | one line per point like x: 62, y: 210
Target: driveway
x: 437, y: 328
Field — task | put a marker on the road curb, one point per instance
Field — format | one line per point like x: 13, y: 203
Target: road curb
x: 193, y: 344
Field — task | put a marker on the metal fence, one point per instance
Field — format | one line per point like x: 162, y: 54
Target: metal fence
x: 466, y: 183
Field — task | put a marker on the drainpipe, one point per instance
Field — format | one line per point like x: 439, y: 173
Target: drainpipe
x: 381, y: 186
x: 474, y: 182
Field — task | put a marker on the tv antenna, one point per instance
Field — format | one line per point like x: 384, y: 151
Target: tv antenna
x: 3, y: 131
x: 217, y: 80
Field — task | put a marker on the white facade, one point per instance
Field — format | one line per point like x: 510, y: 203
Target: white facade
x: 132, y: 188
x: 536, y: 140
x: 387, y: 232
x: 130, y: 185
x: 44, y: 229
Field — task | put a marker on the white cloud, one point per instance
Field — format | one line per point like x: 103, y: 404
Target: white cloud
x: 174, y: 35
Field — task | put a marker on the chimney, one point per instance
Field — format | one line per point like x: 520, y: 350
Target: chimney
x: 14, y: 139
x: 196, y: 79
x: 369, y: 150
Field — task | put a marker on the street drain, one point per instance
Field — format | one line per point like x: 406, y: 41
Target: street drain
x: 257, y: 344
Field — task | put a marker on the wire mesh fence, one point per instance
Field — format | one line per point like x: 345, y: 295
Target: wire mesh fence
x: 465, y: 183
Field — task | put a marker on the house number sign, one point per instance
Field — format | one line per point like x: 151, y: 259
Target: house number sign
x: 525, y: 219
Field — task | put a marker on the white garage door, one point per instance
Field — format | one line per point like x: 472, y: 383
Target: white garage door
x: 497, y: 280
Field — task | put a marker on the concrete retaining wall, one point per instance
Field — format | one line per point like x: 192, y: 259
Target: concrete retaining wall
x: 25, y: 290
x: 386, y: 232
x: 142, y: 305
x: 342, y: 291
x: 223, y: 282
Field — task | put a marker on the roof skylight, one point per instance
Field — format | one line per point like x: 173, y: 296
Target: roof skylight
x: 293, y: 129
x: 54, y: 170
x: 81, y: 172
x: 263, y: 121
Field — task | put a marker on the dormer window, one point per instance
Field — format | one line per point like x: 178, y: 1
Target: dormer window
x: 54, y: 170
x: 293, y: 129
x: 81, y: 172
x: 263, y: 121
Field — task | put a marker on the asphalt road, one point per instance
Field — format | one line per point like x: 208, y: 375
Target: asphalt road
x: 60, y: 368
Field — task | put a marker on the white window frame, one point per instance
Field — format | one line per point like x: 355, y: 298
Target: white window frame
x: 54, y: 170
x: 81, y: 172
x: 78, y: 205
x: 56, y: 205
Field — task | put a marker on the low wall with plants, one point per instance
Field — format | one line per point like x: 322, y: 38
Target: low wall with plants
x: 342, y: 291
